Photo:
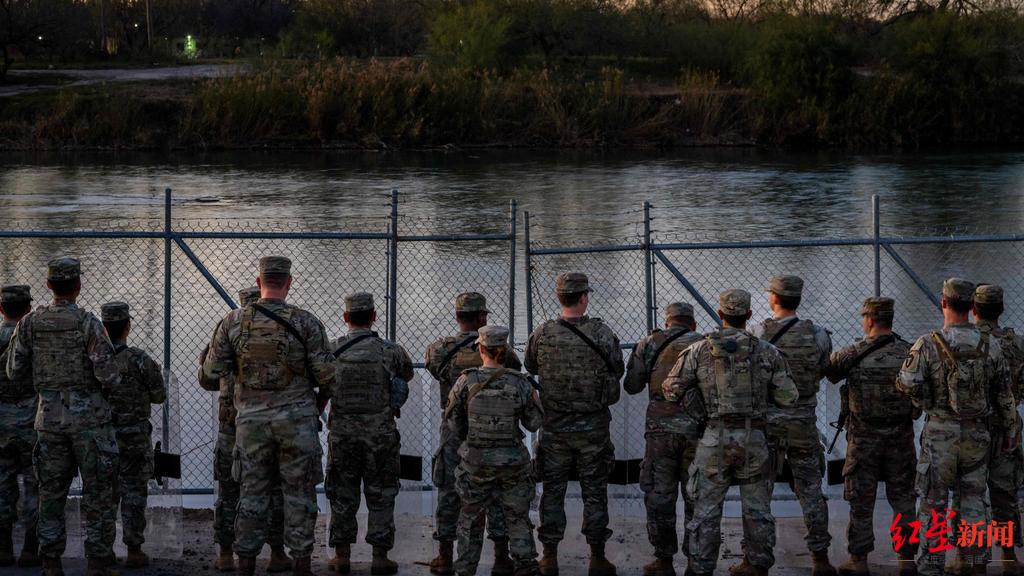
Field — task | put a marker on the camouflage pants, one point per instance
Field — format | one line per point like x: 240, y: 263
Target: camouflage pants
x: 228, y: 490
x: 667, y: 459
x: 592, y: 455
x: 15, y: 460
x: 725, y: 457
x: 372, y: 460
x: 135, y: 464
x: 57, y: 459
x: 446, y: 516
x: 873, y: 457
x: 513, y: 489
x: 286, y: 450
x: 1005, y: 477
x: 954, y: 457
x: 799, y: 441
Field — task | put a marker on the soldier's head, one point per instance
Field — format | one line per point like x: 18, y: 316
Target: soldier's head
x: 471, y: 311
x: 64, y: 277
x: 877, y: 314
x: 493, y: 345
x: 359, y: 310
x: 680, y: 314
x: 988, y: 302
x: 957, y: 299
x: 573, y: 291
x: 15, y: 301
x: 734, y: 308
x: 784, y: 293
x: 275, y: 277
x: 116, y: 320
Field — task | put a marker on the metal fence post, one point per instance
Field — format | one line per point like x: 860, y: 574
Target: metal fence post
x: 528, y: 272
x: 512, y: 271
x: 875, y: 219
x: 393, y: 270
x: 167, y: 312
x: 648, y: 267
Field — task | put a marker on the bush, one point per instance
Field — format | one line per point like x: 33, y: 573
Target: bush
x: 473, y: 36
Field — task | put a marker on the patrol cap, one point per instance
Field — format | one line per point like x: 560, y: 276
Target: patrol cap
x: 572, y: 283
x: 958, y: 289
x: 879, y: 308
x: 988, y: 294
x: 275, y: 265
x: 359, y: 302
x: 65, y: 268
x: 15, y: 293
x: 734, y: 302
x: 471, y: 302
x: 114, y: 312
x: 248, y: 295
x: 492, y: 336
x: 679, y: 309
x: 786, y: 285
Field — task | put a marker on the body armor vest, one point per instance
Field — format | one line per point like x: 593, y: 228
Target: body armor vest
x: 967, y: 376
x: 801, y: 350
x: 59, y: 360
x: 364, y: 382
x: 663, y: 364
x: 573, y: 376
x: 467, y: 357
x: 873, y: 395
x: 12, y: 391
x: 1013, y: 354
x: 491, y: 405
x: 737, y: 391
x: 263, y: 364
x: 130, y: 404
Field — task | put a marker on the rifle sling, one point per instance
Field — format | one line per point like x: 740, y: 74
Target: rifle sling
x: 593, y: 345
x: 476, y: 388
x: 877, y: 345
x: 451, y: 353
x: 117, y: 349
x: 782, y: 332
x: 298, y: 336
x: 661, y: 347
x: 341, y: 349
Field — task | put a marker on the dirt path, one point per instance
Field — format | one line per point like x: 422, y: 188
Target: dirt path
x: 65, y: 78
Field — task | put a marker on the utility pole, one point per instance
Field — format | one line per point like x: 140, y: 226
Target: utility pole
x: 149, y: 29
x: 103, y: 27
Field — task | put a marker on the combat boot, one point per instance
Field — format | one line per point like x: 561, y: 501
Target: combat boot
x: 246, y: 566
x: 303, y: 566
x: 958, y: 567
x: 381, y: 564
x: 855, y: 565
x: 745, y: 568
x: 52, y: 567
x: 225, y: 561
x: 6, y: 547
x: 136, y: 558
x: 660, y: 567
x: 98, y: 567
x: 822, y: 566
x: 908, y: 567
x: 279, y: 560
x: 1011, y: 567
x: 503, y: 565
x: 443, y: 564
x: 30, y: 551
x: 342, y: 561
x: 599, y: 565
x: 548, y: 564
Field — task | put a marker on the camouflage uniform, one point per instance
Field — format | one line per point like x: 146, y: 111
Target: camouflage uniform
x: 17, y: 436
x: 961, y: 392
x: 671, y: 433
x: 277, y: 414
x: 486, y: 408
x: 446, y: 460
x: 228, y: 489
x: 142, y: 384
x: 735, y: 376
x: 793, y: 431
x: 879, y: 431
x: 364, y: 443
x: 65, y: 352
x: 578, y: 388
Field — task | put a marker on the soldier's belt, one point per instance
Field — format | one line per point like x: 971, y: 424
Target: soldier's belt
x: 882, y: 422
x: 739, y: 422
x: 979, y: 420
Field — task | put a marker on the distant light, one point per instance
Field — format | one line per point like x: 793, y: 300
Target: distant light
x: 136, y: 24
x: 189, y: 37
x: 40, y: 38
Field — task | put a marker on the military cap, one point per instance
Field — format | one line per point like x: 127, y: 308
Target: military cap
x: 248, y: 295
x: 14, y: 293
x: 785, y: 285
x: 988, y: 294
x: 65, y: 268
x: 572, y: 283
x: 275, y: 265
x: 359, y: 302
x: 958, y: 289
x: 114, y: 312
x: 492, y: 336
x: 734, y: 302
x: 679, y: 309
x: 471, y: 302
x: 879, y: 308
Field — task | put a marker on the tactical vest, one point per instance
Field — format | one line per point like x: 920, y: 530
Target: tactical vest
x: 363, y: 384
x: 573, y: 377
x: 967, y: 376
x: 467, y: 357
x: 491, y: 405
x: 129, y: 405
x: 662, y: 365
x: 1013, y: 354
x: 263, y: 363
x: 59, y: 356
x: 873, y: 395
x: 800, y: 347
x: 12, y: 391
x: 737, y: 391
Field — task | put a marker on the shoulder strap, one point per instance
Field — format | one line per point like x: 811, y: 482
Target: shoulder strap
x: 455, y: 350
x: 298, y: 336
x: 664, y: 344
x: 341, y: 349
x: 877, y: 345
x: 778, y: 335
x: 5, y: 347
x: 120, y: 348
x: 944, y: 349
x: 476, y: 388
x: 593, y: 346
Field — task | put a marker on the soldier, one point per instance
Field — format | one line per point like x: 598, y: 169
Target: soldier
x: 142, y: 384
x: 17, y: 439
x: 579, y: 362
x: 879, y: 434
x: 371, y: 384
x: 228, y: 489
x: 671, y: 434
x: 1006, y: 473
x: 793, y: 431
x: 68, y: 357
x: 728, y: 379
x: 446, y: 359
x: 959, y: 377
x: 486, y: 407
x: 280, y: 355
